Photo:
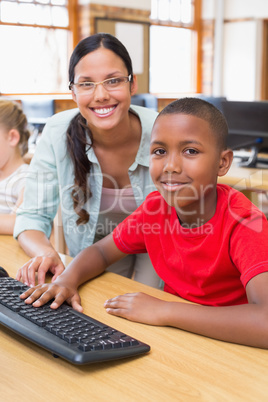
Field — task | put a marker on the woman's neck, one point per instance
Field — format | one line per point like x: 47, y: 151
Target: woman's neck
x: 128, y: 131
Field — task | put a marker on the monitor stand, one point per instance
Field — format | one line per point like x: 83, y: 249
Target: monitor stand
x: 250, y: 157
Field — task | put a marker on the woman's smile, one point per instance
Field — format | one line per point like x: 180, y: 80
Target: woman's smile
x: 104, y: 111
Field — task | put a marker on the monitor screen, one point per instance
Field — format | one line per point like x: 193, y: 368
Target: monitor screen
x: 248, y: 124
x: 38, y: 111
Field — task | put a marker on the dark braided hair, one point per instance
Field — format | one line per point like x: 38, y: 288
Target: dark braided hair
x: 76, y: 146
x: 79, y: 137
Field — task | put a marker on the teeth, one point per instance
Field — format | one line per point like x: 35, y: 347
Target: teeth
x: 104, y: 110
x: 172, y: 184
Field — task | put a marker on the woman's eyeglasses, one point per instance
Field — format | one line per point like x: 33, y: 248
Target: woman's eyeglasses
x: 111, y: 84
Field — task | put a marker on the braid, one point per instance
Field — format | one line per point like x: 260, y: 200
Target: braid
x: 77, y: 146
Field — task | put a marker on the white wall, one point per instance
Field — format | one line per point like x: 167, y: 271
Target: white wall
x: 233, y: 8
x: 238, y: 46
x: 236, y: 8
x: 245, y: 9
x: 139, y: 4
x: 208, y: 9
x: 239, y: 60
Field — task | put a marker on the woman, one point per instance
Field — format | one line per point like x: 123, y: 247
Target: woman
x: 92, y: 161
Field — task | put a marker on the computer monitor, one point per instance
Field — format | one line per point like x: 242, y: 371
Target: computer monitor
x: 38, y: 111
x: 248, y: 126
x: 216, y: 101
x: 145, y: 100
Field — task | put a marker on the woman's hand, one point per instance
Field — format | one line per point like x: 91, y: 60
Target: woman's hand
x: 138, y: 307
x: 60, y: 292
x: 42, y: 264
x: 44, y: 258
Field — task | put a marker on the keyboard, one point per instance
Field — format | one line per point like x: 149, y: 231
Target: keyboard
x: 64, y: 332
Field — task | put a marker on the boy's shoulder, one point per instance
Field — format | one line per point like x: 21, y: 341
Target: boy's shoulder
x: 231, y: 195
x: 235, y: 203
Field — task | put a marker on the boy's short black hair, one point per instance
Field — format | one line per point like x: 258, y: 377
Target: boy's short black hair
x: 204, y: 110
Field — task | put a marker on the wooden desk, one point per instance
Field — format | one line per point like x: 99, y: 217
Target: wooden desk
x: 180, y: 367
x: 250, y: 181
x: 243, y: 178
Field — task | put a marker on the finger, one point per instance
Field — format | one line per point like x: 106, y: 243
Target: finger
x: 119, y: 312
x: 41, y: 297
x: 112, y: 303
x: 18, y: 275
x: 24, y: 273
x: 28, y: 271
x: 44, y: 267
x: 27, y: 293
x: 59, y: 270
x: 76, y: 305
x: 59, y: 299
x: 33, y: 294
x: 115, y: 301
x: 32, y: 269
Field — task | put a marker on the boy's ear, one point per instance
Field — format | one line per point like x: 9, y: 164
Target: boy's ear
x: 13, y: 137
x: 134, y: 85
x: 226, y: 160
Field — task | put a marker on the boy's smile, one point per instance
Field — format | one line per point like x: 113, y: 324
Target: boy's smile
x: 184, y: 165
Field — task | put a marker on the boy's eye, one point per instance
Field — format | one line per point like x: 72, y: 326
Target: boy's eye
x: 191, y: 151
x: 159, y: 151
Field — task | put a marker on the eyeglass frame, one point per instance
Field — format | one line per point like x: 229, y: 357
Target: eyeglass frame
x: 71, y: 84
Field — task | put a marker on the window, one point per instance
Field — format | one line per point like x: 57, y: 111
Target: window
x: 173, y: 47
x: 172, y: 68
x: 36, y: 38
x: 34, y: 51
x: 181, y: 11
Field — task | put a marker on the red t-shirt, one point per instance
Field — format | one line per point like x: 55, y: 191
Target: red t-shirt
x: 210, y: 264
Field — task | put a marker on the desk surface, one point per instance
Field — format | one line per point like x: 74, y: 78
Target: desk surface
x: 180, y: 367
x: 243, y: 178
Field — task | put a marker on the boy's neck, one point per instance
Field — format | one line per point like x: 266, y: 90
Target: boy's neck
x: 202, y: 213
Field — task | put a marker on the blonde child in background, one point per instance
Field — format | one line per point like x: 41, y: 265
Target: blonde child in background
x: 14, y: 137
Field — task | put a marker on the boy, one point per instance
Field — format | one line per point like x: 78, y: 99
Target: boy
x: 206, y: 241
